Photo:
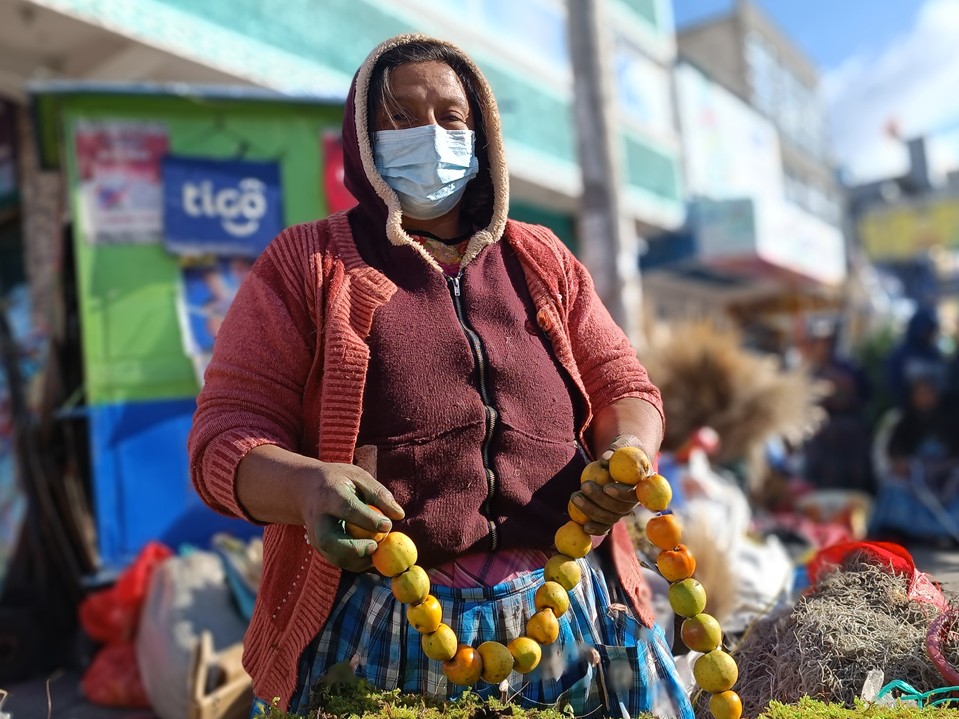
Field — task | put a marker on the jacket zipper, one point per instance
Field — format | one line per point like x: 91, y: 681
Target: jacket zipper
x: 492, y: 416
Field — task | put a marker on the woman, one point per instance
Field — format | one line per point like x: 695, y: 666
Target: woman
x: 466, y: 363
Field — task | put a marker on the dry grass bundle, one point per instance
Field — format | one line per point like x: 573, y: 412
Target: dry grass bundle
x: 855, y: 620
x: 709, y: 380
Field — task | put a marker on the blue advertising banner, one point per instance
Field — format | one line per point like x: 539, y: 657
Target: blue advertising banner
x: 220, y: 207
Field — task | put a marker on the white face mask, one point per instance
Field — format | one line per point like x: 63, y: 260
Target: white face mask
x: 428, y: 167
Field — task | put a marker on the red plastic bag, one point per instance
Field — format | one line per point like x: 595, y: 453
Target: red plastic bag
x: 922, y: 587
x: 110, y: 616
x: 113, y: 678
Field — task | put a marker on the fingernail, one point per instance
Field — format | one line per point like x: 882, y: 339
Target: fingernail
x: 579, y: 501
x: 384, y: 526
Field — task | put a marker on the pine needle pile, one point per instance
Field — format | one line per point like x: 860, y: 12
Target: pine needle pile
x: 708, y: 379
x: 856, y: 619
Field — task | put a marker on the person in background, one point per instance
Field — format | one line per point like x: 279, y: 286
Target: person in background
x: 838, y: 456
x: 424, y: 354
x: 918, y: 352
x: 918, y: 463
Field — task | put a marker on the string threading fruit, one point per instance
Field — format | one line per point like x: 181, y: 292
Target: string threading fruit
x: 715, y: 671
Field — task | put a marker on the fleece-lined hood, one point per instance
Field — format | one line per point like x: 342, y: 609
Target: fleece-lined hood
x: 377, y: 200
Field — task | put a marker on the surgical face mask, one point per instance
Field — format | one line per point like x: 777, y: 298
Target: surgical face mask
x: 428, y: 167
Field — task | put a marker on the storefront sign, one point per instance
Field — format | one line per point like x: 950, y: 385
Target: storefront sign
x: 118, y: 163
x: 220, y: 207
x: 896, y: 233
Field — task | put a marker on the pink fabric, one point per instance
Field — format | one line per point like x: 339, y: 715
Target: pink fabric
x: 487, y: 569
x: 288, y: 369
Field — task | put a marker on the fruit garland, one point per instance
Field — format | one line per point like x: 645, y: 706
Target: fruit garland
x: 715, y: 671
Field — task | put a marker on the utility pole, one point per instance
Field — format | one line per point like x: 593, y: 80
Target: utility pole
x: 608, y: 241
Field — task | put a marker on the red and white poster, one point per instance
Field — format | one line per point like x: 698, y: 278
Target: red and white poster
x: 121, y: 187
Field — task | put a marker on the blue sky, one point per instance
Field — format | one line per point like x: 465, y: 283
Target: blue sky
x: 882, y: 63
x: 830, y: 31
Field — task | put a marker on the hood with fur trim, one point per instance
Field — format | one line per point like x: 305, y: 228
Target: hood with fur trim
x: 377, y: 201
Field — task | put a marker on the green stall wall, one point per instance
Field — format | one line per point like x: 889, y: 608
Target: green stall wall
x: 132, y: 349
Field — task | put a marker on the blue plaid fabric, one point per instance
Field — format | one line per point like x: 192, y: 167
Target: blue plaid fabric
x: 635, y: 672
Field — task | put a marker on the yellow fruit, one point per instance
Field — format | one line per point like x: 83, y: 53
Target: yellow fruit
x: 563, y: 570
x: 701, y: 633
x: 664, y: 531
x: 716, y: 671
x: 360, y: 533
x: 497, y: 662
x: 654, y: 493
x: 439, y: 645
x: 394, y: 555
x: 552, y: 596
x: 628, y: 465
x: 412, y: 586
x: 575, y: 513
x: 676, y: 563
x: 572, y: 541
x: 595, y: 472
x: 687, y: 598
x: 526, y: 654
x: 543, y: 627
x: 426, y: 616
x: 726, y: 705
x: 465, y: 668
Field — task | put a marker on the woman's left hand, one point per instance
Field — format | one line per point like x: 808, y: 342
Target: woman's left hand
x: 607, y: 504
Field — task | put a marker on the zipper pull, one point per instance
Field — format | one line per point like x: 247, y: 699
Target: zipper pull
x: 456, y: 285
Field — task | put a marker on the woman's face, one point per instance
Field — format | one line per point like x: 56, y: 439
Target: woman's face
x: 424, y: 93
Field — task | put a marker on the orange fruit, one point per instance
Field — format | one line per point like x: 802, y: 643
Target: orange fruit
x: 526, y: 654
x: 701, y: 633
x: 439, y: 645
x: 497, y: 662
x: 553, y: 596
x: 628, y: 465
x: 726, y: 705
x: 412, y: 586
x: 716, y: 671
x: 394, y: 555
x: 654, y: 493
x: 572, y: 540
x: 466, y: 666
x: 360, y: 533
x: 664, y: 531
x: 595, y: 472
x: 426, y: 616
x: 676, y: 563
x: 687, y: 598
x: 575, y: 513
x: 563, y: 570
x: 543, y: 627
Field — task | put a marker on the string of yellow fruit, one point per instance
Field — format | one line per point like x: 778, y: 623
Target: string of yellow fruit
x: 715, y: 671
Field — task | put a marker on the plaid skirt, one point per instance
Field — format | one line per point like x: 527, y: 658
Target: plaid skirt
x: 635, y: 672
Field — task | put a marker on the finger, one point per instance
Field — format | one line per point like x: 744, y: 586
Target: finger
x: 351, y: 508
x: 596, y: 529
x: 339, y: 548
x: 621, y: 492
x: 596, y: 513
x: 595, y: 492
x: 376, y: 494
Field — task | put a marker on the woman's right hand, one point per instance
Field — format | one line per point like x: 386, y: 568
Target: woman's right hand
x: 338, y: 493
x: 277, y: 486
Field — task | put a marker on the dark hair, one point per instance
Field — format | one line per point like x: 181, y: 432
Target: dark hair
x: 478, y: 200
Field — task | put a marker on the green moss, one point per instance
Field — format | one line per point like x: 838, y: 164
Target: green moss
x: 360, y: 701
x: 808, y: 708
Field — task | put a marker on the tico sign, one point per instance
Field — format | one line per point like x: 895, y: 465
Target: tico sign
x: 220, y: 207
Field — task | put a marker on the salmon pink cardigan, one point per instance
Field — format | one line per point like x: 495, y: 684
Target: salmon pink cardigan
x: 289, y: 369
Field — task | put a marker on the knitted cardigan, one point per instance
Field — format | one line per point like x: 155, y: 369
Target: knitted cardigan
x: 289, y: 369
